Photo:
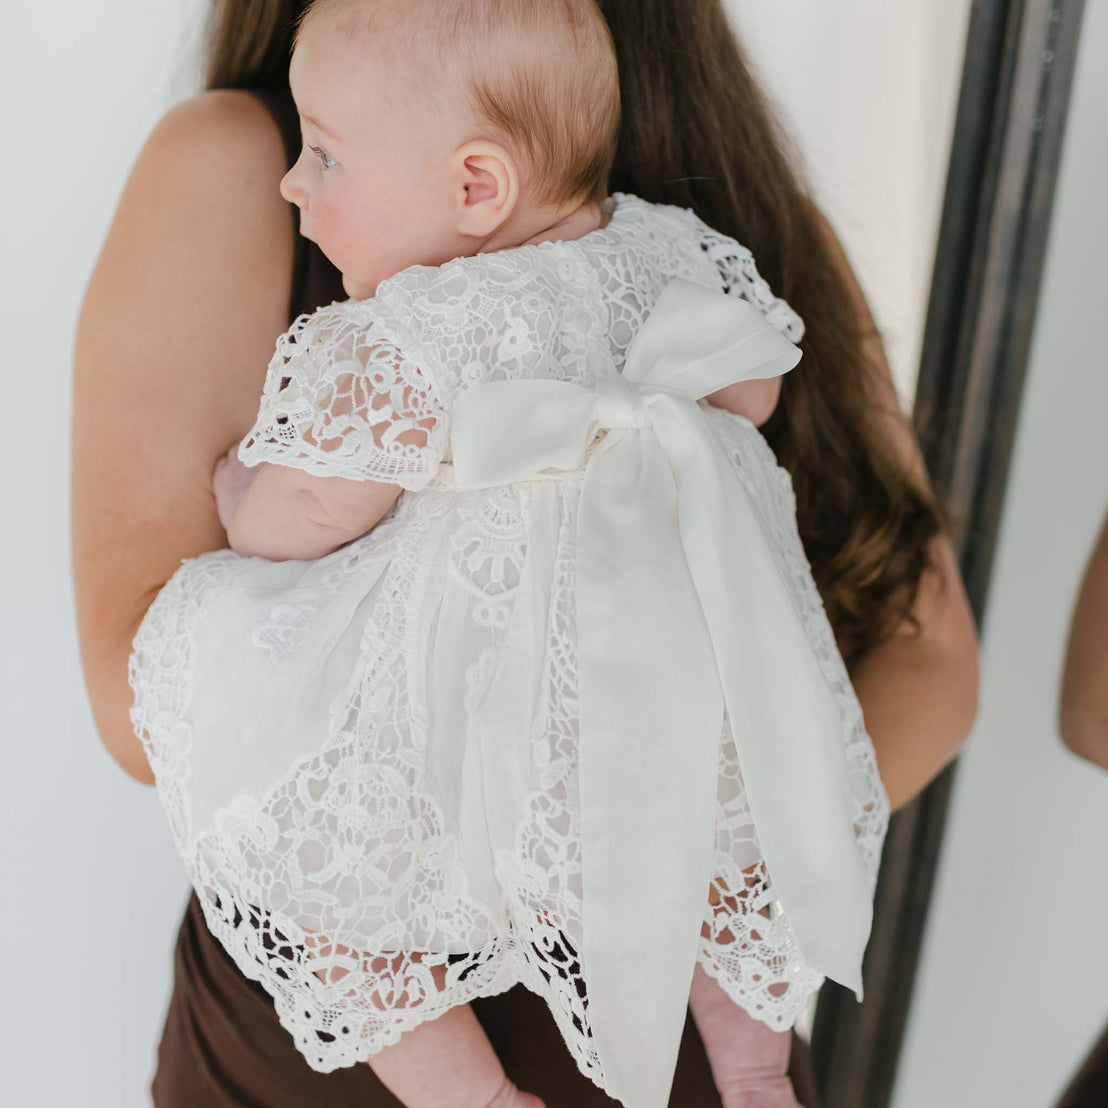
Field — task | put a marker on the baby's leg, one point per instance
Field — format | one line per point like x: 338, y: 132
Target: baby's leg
x: 447, y: 1062
x: 749, y: 1060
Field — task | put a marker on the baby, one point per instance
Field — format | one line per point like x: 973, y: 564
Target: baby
x: 436, y: 129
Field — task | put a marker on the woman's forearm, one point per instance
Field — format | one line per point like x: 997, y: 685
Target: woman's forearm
x: 105, y: 663
x: 919, y: 702
x: 919, y: 691
x: 201, y: 234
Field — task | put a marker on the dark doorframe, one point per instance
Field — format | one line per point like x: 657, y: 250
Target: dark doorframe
x: 988, y: 264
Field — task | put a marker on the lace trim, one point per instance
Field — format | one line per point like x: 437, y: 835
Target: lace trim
x: 741, y: 278
x: 747, y: 943
x: 341, y: 399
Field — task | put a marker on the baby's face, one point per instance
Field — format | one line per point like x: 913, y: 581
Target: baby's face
x: 372, y: 181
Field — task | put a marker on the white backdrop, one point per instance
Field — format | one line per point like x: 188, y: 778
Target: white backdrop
x: 90, y: 890
x: 1013, y: 982
x: 869, y: 89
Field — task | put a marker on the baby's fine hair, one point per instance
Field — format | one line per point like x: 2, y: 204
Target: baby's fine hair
x: 541, y: 74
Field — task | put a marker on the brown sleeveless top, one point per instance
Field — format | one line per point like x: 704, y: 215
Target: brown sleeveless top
x: 222, y: 1045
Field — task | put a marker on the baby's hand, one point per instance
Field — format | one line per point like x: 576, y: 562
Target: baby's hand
x: 230, y: 480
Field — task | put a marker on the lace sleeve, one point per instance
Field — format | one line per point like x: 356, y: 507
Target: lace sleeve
x: 341, y: 399
x: 740, y: 277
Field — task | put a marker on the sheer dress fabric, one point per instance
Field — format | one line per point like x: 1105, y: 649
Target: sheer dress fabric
x: 222, y: 1044
x: 317, y: 793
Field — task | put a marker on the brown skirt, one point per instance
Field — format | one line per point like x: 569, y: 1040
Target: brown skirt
x: 222, y: 1047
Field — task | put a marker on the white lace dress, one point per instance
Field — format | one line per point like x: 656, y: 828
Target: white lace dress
x: 577, y: 673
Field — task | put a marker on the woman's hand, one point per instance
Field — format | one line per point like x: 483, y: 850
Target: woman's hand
x: 230, y: 480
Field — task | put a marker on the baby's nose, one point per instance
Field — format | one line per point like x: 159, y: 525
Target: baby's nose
x: 291, y: 190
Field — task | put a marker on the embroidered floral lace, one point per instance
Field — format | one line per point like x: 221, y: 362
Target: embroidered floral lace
x: 325, y: 847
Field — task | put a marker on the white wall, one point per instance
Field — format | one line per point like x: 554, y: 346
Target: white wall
x: 1013, y: 983
x: 869, y: 89
x: 90, y: 889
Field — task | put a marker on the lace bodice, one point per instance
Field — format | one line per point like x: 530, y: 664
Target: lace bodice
x: 363, y: 389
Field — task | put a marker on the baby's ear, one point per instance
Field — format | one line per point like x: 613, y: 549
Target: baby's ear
x: 486, y: 182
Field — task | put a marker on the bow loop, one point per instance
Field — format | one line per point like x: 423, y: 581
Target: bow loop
x: 696, y: 342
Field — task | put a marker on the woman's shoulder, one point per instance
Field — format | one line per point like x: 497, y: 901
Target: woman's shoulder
x: 201, y: 229
x: 205, y: 186
x: 220, y: 153
x: 218, y: 131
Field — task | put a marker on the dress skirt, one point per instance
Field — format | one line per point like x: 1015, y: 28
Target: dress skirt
x: 222, y: 1047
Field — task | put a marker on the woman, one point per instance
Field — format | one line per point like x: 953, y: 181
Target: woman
x: 201, y: 233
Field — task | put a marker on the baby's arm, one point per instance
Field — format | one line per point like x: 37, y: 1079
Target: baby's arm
x: 447, y: 1062
x: 756, y: 400
x: 748, y: 1059
x: 280, y: 512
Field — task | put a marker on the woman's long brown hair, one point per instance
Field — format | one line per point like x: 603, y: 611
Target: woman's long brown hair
x: 697, y: 132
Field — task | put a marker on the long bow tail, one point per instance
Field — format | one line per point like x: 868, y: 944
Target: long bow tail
x: 682, y: 611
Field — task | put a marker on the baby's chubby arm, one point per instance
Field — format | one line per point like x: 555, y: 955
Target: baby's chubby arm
x: 280, y: 512
x: 754, y: 399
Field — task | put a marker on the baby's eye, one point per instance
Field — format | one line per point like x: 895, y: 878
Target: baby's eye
x: 325, y: 158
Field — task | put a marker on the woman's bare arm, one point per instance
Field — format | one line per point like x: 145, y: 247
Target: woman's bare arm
x: 918, y: 692
x: 1083, y: 706
x: 178, y: 323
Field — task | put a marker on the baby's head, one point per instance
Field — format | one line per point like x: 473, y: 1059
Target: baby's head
x: 434, y: 129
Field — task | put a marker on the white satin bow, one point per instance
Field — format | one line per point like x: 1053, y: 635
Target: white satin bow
x: 681, y: 611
